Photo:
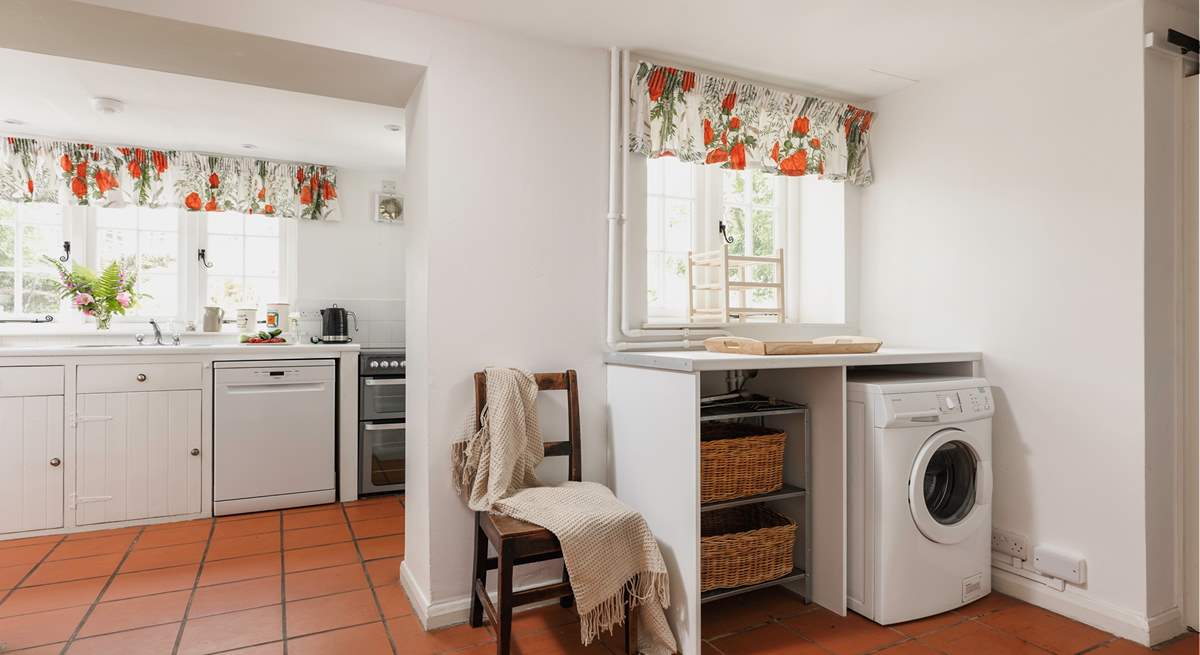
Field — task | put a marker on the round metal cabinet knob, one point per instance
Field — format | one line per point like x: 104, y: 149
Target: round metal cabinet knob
x: 55, y: 462
x: 141, y: 377
x: 195, y: 452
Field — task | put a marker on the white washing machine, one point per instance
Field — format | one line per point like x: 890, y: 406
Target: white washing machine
x: 919, y: 491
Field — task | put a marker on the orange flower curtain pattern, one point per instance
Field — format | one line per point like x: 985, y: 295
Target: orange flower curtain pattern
x: 715, y: 120
x: 36, y: 170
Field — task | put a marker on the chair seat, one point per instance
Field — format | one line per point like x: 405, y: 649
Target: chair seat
x: 528, y: 539
x: 509, y: 528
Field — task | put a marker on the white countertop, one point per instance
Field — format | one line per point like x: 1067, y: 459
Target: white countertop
x: 253, y: 350
x: 702, y: 360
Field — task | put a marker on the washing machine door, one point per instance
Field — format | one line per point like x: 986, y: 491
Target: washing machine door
x: 949, y: 487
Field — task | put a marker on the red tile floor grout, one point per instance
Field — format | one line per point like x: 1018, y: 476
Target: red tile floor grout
x: 347, y: 599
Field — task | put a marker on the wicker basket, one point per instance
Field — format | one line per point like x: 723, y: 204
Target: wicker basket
x: 739, y: 460
x: 742, y: 546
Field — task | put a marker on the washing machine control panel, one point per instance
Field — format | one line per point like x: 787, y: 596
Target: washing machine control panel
x: 926, y: 407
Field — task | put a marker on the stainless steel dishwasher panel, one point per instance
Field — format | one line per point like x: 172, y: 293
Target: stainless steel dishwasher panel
x: 274, y: 434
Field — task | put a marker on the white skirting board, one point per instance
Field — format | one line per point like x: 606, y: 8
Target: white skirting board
x: 444, y: 614
x: 1100, y: 615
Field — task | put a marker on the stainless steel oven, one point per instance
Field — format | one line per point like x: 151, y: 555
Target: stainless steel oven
x: 381, y: 399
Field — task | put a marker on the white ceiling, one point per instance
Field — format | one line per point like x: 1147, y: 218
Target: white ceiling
x: 855, y: 49
x: 193, y: 113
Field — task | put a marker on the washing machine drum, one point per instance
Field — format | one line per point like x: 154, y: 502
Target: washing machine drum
x: 948, y: 486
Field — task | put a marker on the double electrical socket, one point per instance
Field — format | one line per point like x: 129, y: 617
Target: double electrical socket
x: 1010, y: 543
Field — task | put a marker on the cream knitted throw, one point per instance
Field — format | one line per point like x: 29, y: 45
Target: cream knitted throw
x: 606, y: 545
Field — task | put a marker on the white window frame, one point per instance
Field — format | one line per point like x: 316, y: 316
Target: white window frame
x: 708, y: 184
x: 79, y: 227
x: 286, y: 245
x: 19, y: 270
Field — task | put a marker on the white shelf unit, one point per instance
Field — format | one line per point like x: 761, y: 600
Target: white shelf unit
x: 732, y: 305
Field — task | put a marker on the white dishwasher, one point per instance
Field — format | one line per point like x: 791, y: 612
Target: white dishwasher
x: 274, y: 434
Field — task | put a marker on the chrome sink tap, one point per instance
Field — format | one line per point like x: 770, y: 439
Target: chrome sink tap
x: 157, y: 333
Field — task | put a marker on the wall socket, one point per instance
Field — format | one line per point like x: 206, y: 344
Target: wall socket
x: 1010, y: 543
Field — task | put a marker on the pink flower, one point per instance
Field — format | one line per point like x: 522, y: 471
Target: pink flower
x: 124, y: 299
x: 84, y: 299
x: 88, y: 312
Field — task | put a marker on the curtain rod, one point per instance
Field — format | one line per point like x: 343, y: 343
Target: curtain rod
x: 204, y: 153
x: 669, y: 60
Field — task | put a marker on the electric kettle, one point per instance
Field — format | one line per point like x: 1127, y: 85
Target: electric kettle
x: 335, y: 326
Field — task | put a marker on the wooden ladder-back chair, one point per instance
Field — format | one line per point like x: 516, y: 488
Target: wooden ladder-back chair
x: 517, y: 542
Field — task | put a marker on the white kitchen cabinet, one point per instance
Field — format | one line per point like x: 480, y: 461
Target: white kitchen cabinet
x: 31, y: 454
x: 137, y: 455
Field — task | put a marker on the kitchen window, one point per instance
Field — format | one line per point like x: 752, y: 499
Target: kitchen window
x: 28, y: 231
x: 247, y: 254
x: 691, y: 208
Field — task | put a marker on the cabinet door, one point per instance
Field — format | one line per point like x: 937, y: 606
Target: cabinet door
x: 134, y: 453
x: 31, y: 471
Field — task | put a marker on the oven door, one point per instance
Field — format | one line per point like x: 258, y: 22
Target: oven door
x: 381, y: 399
x: 380, y: 457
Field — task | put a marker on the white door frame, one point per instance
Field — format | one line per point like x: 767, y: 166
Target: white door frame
x: 1190, y: 489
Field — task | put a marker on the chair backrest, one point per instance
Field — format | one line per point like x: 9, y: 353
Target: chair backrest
x: 564, y: 381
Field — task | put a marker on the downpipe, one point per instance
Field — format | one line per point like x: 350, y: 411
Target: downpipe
x: 620, y: 334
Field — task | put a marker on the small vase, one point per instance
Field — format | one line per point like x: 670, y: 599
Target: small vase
x: 102, y: 321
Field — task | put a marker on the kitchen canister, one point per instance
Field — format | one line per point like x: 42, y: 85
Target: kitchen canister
x: 247, y: 319
x: 277, y: 315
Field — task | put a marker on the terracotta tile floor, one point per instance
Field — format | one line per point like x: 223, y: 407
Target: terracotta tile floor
x: 323, y: 581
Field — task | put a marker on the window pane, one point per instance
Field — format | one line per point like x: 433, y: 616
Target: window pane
x: 225, y: 253
x: 159, y: 251
x: 225, y: 291
x: 734, y: 186
x: 125, y: 217
x: 675, y: 281
x: 679, y: 225
x: 735, y: 227
x: 262, y: 256
x: 164, y: 300
x: 764, y: 232
x: 677, y: 178
x: 225, y: 223
x: 116, y: 245
x: 260, y: 225
x: 763, y: 191
x: 654, y: 223
x: 654, y: 295
x: 39, y: 294
x: 39, y: 240
x: 7, y: 243
x: 7, y: 291
x: 654, y: 175
x: 261, y: 290
x: 42, y: 213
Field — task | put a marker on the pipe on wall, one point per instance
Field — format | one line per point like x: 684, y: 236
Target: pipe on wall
x: 620, y: 334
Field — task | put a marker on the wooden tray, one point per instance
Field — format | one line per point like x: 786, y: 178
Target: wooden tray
x: 821, y: 346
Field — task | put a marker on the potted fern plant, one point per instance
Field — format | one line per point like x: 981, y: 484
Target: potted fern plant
x: 99, y: 295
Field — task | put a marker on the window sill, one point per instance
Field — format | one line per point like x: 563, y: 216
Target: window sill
x: 85, y: 331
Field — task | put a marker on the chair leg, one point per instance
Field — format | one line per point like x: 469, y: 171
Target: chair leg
x: 631, y: 626
x: 568, y: 600
x: 479, y: 573
x: 504, y: 593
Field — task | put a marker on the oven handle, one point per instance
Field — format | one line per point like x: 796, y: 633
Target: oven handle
x: 383, y: 382
x: 379, y: 427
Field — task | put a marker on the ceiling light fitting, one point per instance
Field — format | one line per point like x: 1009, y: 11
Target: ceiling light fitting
x: 392, y: 127
x: 108, y: 105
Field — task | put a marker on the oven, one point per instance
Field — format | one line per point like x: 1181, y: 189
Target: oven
x: 381, y: 398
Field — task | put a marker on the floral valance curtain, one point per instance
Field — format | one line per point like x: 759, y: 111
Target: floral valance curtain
x: 36, y: 170
x: 715, y: 120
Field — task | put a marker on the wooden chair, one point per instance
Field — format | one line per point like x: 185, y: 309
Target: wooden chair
x: 517, y: 542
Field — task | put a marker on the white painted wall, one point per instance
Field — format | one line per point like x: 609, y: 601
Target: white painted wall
x: 1007, y: 215
x: 355, y: 263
